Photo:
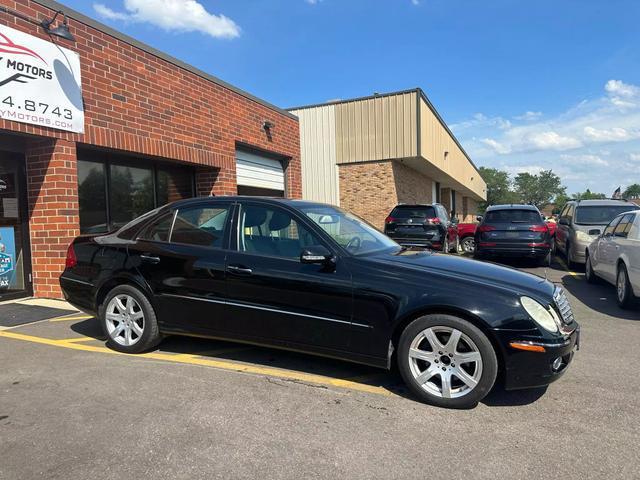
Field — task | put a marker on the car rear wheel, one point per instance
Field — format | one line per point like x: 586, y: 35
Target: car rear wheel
x: 623, y: 287
x: 129, y: 321
x: 445, y: 245
x: 446, y: 361
x: 468, y: 245
x: 588, y: 271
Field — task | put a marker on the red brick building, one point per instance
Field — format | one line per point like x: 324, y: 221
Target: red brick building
x: 155, y: 130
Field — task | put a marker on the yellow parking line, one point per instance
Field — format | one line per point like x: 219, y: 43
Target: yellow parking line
x: 73, y: 317
x: 77, y: 339
x: 564, y: 265
x: 208, y: 362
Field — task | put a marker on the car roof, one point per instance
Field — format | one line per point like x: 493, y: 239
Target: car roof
x: 601, y: 202
x: 296, y: 203
x: 513, y: 206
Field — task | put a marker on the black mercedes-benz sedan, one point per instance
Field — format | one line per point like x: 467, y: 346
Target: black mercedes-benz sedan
x: 311, y: 277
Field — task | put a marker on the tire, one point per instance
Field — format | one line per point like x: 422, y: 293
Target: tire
x: 570, y: 263
x: 445, y: 244
x: 589, y: 274
x: 544, y: 261
x: 132, y: 329
x: 422, y: 370
x: 456, y: 247
x: 468, y: 245
x: 624, y: 294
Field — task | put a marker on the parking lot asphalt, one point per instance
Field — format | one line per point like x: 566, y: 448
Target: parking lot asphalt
x: 72, y: 409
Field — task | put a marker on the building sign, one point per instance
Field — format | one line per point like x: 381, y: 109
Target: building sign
x: 7, y: 258
x: 39, y: 82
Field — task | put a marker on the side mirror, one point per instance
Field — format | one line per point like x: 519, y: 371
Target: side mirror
x: 563, y: 221
x: 479, y: 218
x: 454, y: 221
x: 317, y: 254
x: 594, y: 231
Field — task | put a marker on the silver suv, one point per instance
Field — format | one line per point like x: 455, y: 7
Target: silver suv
x: 581, y: 221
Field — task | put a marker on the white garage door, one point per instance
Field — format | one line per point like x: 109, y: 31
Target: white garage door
x: 258, y: 173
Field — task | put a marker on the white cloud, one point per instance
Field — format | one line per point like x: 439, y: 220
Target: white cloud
x: 594, y: 144
x: 415, y: 2
x: 529, y: 116
x: 173, y: 16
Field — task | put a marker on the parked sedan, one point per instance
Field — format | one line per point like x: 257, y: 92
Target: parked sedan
x: 615, y: 257
x: 311, y: 277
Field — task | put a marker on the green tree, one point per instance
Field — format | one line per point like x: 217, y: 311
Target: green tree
x: 632, y: 191
x: 588, y: 195
x: 560, y: 201
x: 498, y: 188
x: 540, y: 189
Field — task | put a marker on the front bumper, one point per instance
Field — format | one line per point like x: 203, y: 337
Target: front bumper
x: 579, y: 251
x: 530, y: 369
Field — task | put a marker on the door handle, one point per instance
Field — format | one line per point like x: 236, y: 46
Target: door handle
x: 150, y: 259
x: 239, y: 270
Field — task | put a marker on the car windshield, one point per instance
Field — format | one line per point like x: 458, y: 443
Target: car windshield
x: 407, y: 211
x: 354, y: 234
x: 512, y: 216
x: 600, y: 214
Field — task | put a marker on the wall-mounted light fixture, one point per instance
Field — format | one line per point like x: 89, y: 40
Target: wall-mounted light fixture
x: 267, y: 125
x: 62, y: 30
x: 446, y: 154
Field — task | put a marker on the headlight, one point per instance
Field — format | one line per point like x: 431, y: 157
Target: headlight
x: 540, y: 315
x: 583, y: 237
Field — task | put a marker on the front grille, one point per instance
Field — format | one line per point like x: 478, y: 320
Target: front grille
x: 562, y: 303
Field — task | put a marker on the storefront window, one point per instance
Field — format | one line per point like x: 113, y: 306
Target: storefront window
x: 130, y: 193
x: 113, y: 192
x: 92, y: 197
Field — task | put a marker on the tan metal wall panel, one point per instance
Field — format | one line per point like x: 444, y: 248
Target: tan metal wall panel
x: 379, y: 128
x: 435, y: 140
x: 318, y: 147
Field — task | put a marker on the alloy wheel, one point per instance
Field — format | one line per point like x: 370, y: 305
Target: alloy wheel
x: 621, y: 285
x: 125, y: 320
x: 445, y: 362
x: 469, y: 245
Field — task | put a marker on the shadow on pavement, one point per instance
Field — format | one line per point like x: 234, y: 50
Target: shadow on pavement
x: 304, y: 363
x: 499, y: 397
x: 599, y: 297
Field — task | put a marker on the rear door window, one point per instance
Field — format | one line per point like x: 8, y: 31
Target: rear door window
x: 513, y: 216
x: 203, y: 226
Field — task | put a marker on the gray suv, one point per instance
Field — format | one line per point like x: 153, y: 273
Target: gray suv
x: 581, y: 221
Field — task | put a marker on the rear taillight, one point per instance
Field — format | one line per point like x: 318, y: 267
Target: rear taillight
x: 433, y: 221
x: 72, y: 260
x: 539, y: 228
x: 486, y: 228
x: 389, y: 219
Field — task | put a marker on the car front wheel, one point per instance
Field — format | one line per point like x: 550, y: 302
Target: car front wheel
x: 129, y: 320
x: 446, y: 361
x: 588, y: 271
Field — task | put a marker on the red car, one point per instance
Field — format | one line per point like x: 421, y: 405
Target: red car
x: 466, y: 232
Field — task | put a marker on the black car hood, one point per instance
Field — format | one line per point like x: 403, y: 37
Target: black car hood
x: 470, y: 270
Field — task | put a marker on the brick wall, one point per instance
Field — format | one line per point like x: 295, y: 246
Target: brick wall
x: 371, y: 190
x: 52, y: 186
x: 167, y: 111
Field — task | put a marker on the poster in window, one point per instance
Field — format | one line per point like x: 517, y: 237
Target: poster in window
x: 7, y: 259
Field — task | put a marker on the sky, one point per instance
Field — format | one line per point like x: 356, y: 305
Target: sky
x: 525, y: 86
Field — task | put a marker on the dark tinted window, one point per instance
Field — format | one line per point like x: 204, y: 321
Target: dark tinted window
x: 130, y: 193
x: 272, y: 231
x: 599, y: 215
x: 202, y: 226
x: 406, y: 211
x: 512, y: 216
x: 611, y: 226
x: 173, y: 184
x: 622, y: 230
x: 92, y: 197
x: 159, y: 229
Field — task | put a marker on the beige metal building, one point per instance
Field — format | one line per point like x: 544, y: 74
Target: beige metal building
x: 369, y: 154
